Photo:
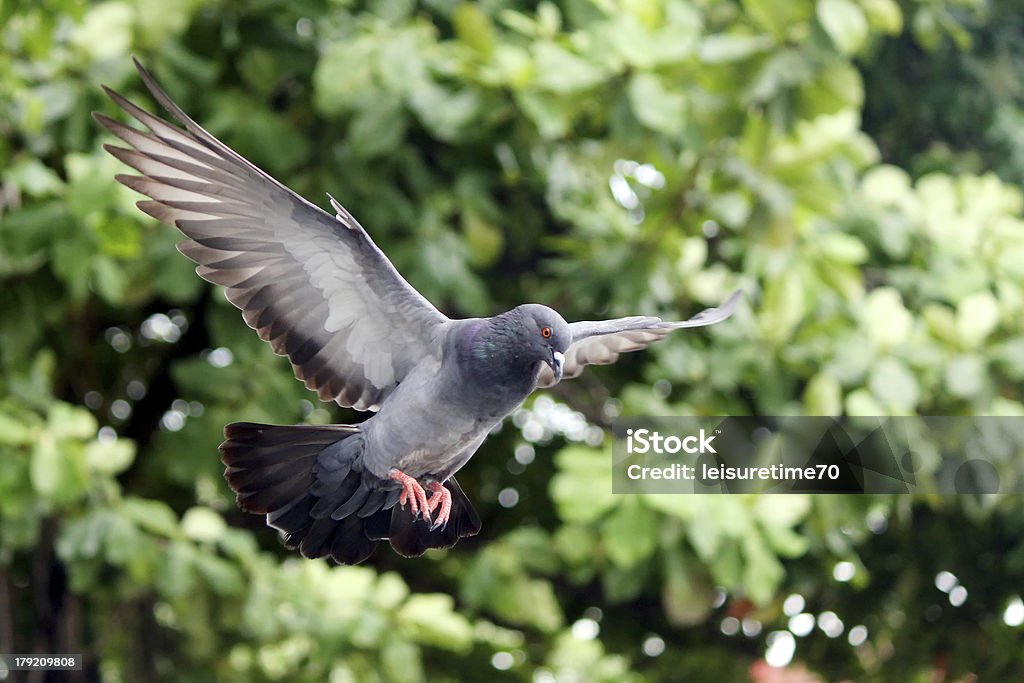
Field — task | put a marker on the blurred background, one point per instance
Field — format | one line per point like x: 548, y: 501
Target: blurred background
x: 854, y: 165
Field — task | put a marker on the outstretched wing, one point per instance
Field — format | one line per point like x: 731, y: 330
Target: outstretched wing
x: 313, y: 285
x: 600, y: 342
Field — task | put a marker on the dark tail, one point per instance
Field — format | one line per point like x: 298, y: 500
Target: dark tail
x: 309, y: 482
x: 412, y: 536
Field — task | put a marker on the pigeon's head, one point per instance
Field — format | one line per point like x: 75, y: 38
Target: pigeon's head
x: 547, y: 336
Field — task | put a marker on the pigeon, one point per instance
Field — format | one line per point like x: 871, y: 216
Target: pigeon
x: 319, y: 290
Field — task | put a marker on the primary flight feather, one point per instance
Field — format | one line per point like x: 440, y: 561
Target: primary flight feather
x: 316, y: 287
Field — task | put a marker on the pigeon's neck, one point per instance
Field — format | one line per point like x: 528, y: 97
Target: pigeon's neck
x: 494, y: 357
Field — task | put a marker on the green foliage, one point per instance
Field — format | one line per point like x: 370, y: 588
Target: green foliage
x: 606, y: 158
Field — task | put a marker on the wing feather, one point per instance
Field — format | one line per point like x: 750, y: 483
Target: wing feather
x: 313, y: 285
x: 601, y: 342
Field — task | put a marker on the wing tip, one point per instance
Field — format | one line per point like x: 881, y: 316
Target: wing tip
x: 157, y: 210
x: 110, y: 92
x: 122, y: 154
x: 715, y: 315
x: 122, y: 101
x: 733, y: 299
x: 147, y: 77
x: 102, y: 119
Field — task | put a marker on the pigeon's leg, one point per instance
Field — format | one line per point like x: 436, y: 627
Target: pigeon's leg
x: 412, y: 493
x: 440, y: 497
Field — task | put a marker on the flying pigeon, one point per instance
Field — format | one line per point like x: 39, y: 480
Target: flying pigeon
x: 317, y: 288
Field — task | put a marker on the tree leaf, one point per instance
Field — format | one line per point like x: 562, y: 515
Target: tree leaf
x: 966, y: 375
x: 153, y: 515
x: 630, y: 533
x: 723, y: 48
x: 845, y: 23
x: 894, y: 385
x: 654, y: 105
x: 430, y: 618
x: 561, y: 71
x: 110, y: 458
x: 976, y: 318
x: 823, y: 396
x: 203, y: 524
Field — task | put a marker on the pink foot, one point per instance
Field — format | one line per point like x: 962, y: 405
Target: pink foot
x: 413, y: 494
x: 439, y: 497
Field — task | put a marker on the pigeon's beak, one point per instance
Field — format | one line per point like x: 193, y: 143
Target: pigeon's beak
x: 556, y: 363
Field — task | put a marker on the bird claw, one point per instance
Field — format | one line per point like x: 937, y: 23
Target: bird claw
x: 413, y: 494
x: 440, y: 497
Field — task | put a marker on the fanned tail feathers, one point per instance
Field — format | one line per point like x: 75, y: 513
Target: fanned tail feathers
x: 309, y: 482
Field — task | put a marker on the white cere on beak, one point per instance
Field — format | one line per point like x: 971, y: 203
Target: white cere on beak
x: 559, y: 359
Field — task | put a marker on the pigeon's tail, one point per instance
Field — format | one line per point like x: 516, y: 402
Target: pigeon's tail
x: 411, y: 536
x: 274, y: 472
x: 309, y: 482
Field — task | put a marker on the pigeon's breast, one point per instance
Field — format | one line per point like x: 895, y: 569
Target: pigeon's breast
x: 425, y: 427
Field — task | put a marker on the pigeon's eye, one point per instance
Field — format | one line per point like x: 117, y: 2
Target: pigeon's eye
x: 545, y: 332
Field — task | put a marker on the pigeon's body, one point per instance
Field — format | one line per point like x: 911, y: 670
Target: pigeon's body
x: 440, y: 414
x: 318, y: 289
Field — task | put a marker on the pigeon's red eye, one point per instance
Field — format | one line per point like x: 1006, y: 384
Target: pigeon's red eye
x: 545, y: 332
